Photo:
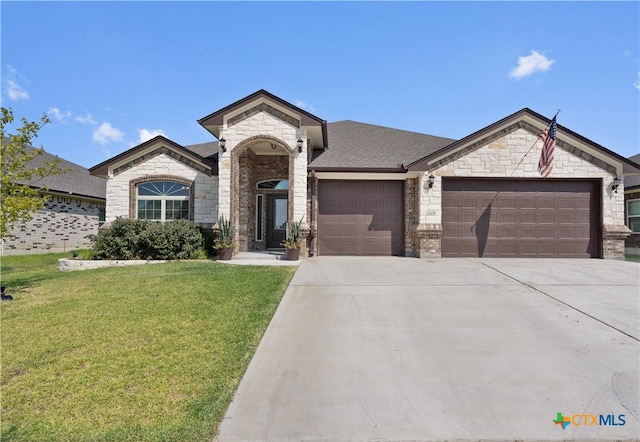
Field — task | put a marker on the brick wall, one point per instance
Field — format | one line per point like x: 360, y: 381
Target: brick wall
x: 411, y: 217
x: 63, y: 225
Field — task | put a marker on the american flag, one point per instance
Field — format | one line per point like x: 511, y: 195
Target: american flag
x: 545, y: 165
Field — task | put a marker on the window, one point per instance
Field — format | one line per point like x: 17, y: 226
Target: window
x: 163, y: 201
x: 259, y: 217
x: 633, y: 215
x: 274, y: 185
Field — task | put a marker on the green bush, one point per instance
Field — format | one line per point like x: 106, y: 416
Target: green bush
x: 138, y: 239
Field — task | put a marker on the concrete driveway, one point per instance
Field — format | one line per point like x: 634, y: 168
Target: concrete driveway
x: 449, y: 349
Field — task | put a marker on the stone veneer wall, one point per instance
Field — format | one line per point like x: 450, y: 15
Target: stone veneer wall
x: 262, y: 126
x: 63, y: 225
x: 499, y: 157
x: 204, y: 197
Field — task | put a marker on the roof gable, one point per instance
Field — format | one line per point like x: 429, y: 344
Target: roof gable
x: 263, y: 101
x: 149, y: 149
x: 534, y: 123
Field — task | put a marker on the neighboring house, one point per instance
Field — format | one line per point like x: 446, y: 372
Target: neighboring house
x: 632, y: 209
x: 74, y: 209
x: 369, y: 190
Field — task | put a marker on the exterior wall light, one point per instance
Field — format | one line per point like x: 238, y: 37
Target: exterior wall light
x: 616, y: 184
x: 299, y: 143
x: 223, y: 144
x: 432, y: 179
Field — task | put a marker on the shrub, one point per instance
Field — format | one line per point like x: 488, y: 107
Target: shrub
x: 138, y: 239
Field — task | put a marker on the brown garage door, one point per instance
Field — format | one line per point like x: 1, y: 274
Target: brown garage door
x: 529, y: 218
x: 360, y: 217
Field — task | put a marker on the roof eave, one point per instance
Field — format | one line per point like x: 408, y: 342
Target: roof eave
x: 400, y: 169
x: 102, y: 169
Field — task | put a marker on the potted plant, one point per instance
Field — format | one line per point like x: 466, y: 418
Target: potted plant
x: 293, y: 242
x: 224, y: 243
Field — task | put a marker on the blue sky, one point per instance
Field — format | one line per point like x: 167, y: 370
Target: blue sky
x: 113, y: 74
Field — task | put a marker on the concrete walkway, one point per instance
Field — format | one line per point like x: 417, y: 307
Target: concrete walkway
x: 261, y: 259
x: 450, y: 349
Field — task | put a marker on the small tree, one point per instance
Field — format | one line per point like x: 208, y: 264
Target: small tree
x: 18, y: 200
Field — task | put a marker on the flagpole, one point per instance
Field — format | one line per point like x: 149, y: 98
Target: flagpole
x: 534, y: 143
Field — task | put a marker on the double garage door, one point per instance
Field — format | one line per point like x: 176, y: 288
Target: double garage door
x: 487, y: 218
x: 527, y: 218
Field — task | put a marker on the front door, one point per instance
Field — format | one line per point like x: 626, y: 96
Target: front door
x: 277, y: 212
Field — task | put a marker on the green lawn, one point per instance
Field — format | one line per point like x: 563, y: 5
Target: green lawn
x: 632, y: 258
x: 145, y: 353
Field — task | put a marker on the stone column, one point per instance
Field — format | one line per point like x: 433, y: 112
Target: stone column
x: 613, y: 236
x: 429, y: 239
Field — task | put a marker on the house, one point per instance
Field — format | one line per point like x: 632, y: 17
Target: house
x: 74, y: 209
x: 632, y: 210
x: 362, y: 189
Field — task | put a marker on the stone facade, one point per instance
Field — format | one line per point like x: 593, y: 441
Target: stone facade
x: 63, y: 225
x: 121, y: 188
x: 261, y: 136
x: 508, y: 156
x: 240, y: 169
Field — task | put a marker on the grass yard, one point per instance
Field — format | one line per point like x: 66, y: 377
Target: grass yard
x: 632, y: 258
x: 144, y: 353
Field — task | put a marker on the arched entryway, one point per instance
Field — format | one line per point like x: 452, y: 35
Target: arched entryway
x: 261, y: 192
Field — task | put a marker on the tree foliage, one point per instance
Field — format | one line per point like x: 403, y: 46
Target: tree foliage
x: 19, y: 200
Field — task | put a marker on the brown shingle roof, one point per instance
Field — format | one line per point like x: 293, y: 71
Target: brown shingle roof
x: 77, y: 181
x: 633, y: 180
x: 354, y: 145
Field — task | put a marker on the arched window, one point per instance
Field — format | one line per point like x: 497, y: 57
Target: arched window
x: 163, y: 200
x: 273, y: 185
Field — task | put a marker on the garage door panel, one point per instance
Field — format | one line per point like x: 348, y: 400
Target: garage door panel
x: 519, y: 217
x: 543, y: 232
x: 360, y: 217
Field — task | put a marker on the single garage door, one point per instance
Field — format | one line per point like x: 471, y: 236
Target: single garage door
x: 528, y: 218
x: 360, y: 217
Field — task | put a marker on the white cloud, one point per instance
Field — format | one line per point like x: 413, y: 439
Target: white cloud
x: 106, y: 133
x: 305, y: 106
x: 59, y: 115
x: 146, y: 134
x: 15, y: 92
x: 637, y: 83
x: 86, y: 120
x: 530, y: 64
